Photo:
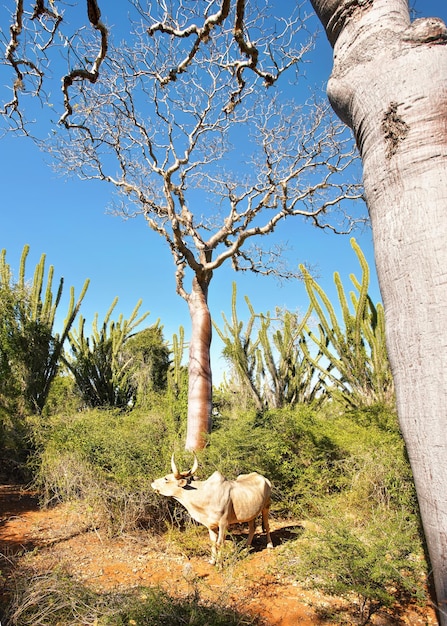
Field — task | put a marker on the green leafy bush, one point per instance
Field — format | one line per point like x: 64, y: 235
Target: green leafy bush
x: 63, y: 398
x: 108, y: 459
x: 310, y: 457
x: 380, y: 562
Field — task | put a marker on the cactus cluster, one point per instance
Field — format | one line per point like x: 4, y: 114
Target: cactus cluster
x: 283, y: 360
x: 355, y: 367
x: 34, y: 348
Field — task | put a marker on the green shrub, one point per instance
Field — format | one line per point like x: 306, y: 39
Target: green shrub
x: 310, y: 457
x: 122, y: 446
x: 277, y: 443
x: 318, y: 464
x: 63, y: 397
x: 380, y: 415
x: 108, y: 459
x: 381, y: 562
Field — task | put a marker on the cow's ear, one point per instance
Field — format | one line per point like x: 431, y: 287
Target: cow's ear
x: 182, y: 482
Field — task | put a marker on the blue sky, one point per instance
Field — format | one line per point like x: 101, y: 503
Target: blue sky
x: 66, y: 219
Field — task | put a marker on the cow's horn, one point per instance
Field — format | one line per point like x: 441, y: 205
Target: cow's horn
x: 175, y: 471
x: 186, y: 474
x: 194, y: 467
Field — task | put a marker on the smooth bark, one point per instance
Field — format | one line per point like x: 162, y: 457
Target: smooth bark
x: 389, y: 84
x: 200, y: 381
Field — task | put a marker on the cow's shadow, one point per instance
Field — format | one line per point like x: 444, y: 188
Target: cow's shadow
x: 290, y: 532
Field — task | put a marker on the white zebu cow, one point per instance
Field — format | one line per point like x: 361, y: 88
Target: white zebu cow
x: 217, y: 502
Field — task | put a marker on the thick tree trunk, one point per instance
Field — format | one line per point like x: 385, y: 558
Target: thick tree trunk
x: 389, y: 83
x: 200, y: 382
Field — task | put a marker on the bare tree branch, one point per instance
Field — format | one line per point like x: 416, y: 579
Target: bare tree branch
x: 81, y: 74
x: 173, y: 162
x: 250, y: 51
x: 202, y: 34
x: 32, y: 35
x: 24, y: 66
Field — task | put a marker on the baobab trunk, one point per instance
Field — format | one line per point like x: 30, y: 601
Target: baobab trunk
x: 200, y: 381
x: 389, y: 84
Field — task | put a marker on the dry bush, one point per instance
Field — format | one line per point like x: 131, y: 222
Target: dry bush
x: 55, y: 598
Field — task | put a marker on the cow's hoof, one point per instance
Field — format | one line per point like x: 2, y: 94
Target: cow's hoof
x: 270, y: 545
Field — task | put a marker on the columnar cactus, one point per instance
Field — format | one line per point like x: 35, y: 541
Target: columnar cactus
x: 35, y: 347
x: 356, y: 368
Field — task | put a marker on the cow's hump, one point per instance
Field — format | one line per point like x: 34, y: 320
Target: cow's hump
x: 254, y: 477
x: 216, y: 477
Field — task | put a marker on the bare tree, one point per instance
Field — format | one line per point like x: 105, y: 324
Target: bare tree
x: 191, y: 142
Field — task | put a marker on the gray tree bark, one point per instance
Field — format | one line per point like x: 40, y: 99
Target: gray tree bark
x: 389, y: 84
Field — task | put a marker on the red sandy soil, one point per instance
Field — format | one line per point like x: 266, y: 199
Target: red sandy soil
x: 47, y: 538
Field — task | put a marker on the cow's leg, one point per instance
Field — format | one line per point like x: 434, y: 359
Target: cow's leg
x: 217, y: 539
x: 251, y: 531
x: 214, y: 539
x: 222, y: 533
x: 266, y: 526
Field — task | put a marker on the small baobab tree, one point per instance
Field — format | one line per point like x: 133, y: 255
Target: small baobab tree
x: 193, y: 143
